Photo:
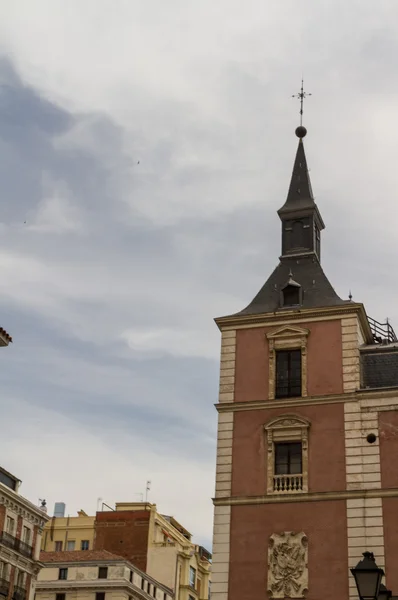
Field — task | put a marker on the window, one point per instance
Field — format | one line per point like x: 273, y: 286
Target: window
x: 100, y: 596
x: 154, y: 592
x: 131, y: 576
x: 288, y: 373
x: 59, y: 596
x: 291, y: 295
x: 58, y: 546
x: 26, y: 535
x: 85, y: 545
x: 164, y: 596
x: 142, y: 583
x: 287, y: 456
x: 192, y: 577
x: 148, y: 589
x: 63, y: 574
x: 287, y: 362
x: 10, y: 525
x: 70, y: 545
x: 103, y: 573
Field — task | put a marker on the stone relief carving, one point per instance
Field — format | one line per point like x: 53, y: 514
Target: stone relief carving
x: 287, y: 565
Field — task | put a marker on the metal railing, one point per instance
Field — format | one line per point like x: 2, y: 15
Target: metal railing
x: 4, y: 587
x: 12, y: 542
x: 382, y: 332
x: 19, y: 593
x: 288, y: 484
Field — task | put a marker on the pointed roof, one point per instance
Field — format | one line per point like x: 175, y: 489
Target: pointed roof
x: 300, y: 198
x: 317, y: 289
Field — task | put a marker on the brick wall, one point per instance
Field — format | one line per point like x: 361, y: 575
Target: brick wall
x: 124, y: 533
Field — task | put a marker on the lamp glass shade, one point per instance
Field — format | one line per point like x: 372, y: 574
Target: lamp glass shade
x: 367, y: 577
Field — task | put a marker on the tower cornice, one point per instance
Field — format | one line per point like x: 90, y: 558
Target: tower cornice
x: 284, y: 316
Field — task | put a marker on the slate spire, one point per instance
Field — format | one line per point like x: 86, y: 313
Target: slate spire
x: 301, y: 219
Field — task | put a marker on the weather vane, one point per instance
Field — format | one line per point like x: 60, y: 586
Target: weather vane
x: 301, y: 96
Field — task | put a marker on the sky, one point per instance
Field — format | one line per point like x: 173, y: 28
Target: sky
x: 145, y: 147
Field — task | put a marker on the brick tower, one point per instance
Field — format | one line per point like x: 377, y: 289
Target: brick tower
x: 307, y: 428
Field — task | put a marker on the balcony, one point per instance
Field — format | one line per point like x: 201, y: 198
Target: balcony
x: 18, y: 593
x: 4, y: 587
x: 11, y: 542
x: 288, y: 484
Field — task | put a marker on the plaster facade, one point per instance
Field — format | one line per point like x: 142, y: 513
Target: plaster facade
x: 77, y: 576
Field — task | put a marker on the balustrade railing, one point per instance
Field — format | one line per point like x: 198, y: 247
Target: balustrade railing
x: 288, y: 484
x: 12, y: 542
x: 4, y: 587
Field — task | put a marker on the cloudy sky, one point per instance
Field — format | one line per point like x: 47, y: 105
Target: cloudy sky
x: 145, y: 146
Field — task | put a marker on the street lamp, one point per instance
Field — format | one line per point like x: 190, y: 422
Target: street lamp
x: 384, y: 593
x: 368, y: 576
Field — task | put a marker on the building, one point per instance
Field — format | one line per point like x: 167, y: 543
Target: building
x: 95, y: 575
x: 156, y: 544
x: 307, y: 428
x: 21, y: 526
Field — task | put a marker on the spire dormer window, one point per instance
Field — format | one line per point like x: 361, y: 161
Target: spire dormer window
x: 291, y: 293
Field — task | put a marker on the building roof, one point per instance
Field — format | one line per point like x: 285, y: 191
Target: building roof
x: 79, y: 556
x: 380, y: 367
x: 5, y: 337
x: 307, y: 271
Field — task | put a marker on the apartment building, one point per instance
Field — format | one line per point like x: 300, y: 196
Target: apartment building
x: 95, y: 575
x: 156, y: 544
x: 21, y: 526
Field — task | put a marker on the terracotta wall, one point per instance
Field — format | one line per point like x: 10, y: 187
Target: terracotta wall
x: 390, y: 512
x: 324, y: 523
x: 324, y: 361
x: 326, y: 450
x: 124, y: 533
x: 388, y: 434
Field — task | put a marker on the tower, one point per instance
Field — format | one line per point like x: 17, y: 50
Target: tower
x: 307, y: 426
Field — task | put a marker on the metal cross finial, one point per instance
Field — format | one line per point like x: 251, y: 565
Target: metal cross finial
x: 301, y: 96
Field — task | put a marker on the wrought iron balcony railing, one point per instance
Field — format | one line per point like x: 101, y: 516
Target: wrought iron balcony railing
x: 19, y: 593
x: 4, y: 587
x: 11, y: 542
x: 288, y: 484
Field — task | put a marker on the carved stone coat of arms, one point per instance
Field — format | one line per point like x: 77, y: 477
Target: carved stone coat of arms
x: 287, y: 565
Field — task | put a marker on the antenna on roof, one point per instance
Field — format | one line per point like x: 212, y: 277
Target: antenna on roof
x: 148, y: 487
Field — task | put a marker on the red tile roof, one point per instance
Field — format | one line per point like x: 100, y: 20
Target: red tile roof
x: 79, y: 556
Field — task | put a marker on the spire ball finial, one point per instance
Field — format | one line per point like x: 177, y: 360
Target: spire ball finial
x: 301, y: 131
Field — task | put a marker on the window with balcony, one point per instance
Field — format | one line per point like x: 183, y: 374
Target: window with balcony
x: 102, y: 572
x: 288, y: 374
x: 70, y: 546
x: 287, y: 455
x: 27, y: 535
x: 63, y: 573
x: 10, y: 525
x: 85, y: 545
x: 192, y: 577
x: 288, y: 467
x: 58, y: 546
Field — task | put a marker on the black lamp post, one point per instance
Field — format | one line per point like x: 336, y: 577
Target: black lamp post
x: 384, y: 593
x: 368, y: 576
